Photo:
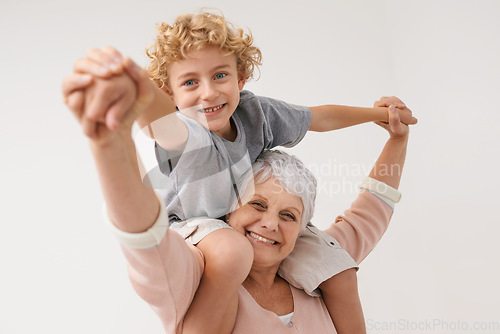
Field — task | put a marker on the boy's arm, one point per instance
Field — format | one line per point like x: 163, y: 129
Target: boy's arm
x: 161, y: 106
x: 334, y: 117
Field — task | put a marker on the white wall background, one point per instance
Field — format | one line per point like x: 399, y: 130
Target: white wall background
x: 436, y: 268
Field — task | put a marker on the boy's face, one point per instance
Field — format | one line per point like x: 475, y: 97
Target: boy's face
x: 207, y: 80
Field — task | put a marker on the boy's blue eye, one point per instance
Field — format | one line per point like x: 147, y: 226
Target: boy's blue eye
x: 220, y: 75
x: 189, y: 83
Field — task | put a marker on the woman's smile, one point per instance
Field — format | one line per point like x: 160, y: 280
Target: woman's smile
x: 260, y: 239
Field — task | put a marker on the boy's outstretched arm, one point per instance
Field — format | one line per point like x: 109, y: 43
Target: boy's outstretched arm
x: 334, y: 117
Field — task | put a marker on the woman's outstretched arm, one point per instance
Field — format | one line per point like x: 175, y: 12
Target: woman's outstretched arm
x: 131, y: 206
x: 164, y: 270
x: 363, y: 225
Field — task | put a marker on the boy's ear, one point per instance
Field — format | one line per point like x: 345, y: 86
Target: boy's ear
x: 241, y: 83
x: 168, y: 91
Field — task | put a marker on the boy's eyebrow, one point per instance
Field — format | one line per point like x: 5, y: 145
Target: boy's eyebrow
x: 221, y: 67
x: 192, y: 74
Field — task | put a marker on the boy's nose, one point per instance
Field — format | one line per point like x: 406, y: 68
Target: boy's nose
x: 209, y: 92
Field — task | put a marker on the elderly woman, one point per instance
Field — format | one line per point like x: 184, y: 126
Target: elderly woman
x: 166, y: 271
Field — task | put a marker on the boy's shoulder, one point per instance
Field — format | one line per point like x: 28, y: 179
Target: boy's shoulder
x: 250, y: 100
x: 246, y: 95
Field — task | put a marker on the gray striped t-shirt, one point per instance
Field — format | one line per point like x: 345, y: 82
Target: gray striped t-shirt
x: 199, y: 182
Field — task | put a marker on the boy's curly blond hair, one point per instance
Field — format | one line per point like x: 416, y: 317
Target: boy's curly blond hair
x: 195, y: 32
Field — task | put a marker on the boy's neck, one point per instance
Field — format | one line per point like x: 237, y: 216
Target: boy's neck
x: 229, y: 133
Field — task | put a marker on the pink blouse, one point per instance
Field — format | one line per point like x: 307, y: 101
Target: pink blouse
x: 166, y: 275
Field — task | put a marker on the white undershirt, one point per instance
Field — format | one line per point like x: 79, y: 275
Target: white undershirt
x: 286, y: 318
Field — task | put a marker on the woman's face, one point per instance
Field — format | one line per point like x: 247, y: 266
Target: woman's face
x: 271, y: 220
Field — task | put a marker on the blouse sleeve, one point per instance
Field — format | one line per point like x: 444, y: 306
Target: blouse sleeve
x: 164, y: 270
x: 361, y: 227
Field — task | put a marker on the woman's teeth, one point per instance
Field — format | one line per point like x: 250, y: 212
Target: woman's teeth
x: 258, y: 237
x: 212, y: 109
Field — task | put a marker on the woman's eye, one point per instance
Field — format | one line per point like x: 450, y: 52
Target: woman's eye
x: 258, y: 205
x: 220, y: 75
x: 289, y: 216
x: 188, y: 83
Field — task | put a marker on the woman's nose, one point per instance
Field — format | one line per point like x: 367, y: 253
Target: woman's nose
x: 270, y: 223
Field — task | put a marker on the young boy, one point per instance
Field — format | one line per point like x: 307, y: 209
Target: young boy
x: 202, y: 63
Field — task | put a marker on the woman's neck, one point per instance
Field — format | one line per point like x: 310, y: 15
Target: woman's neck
x: 270, y: 291
x: 264, y: 278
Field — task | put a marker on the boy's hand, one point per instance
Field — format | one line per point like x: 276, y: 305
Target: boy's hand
x: 100, y: 63
x: 108, y: 104
x: 405, y: 114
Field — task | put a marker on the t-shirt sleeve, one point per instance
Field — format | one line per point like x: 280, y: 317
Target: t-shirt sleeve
x: 198, y: 140
x: 164, y: 270
x: 286, y: 123
x: 362, y: 226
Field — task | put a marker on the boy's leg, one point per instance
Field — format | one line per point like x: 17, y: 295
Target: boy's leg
x: 340, y: 294
x: 228, y: 259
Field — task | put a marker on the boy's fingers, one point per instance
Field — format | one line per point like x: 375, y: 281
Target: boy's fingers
x: 115, y: 59
x: 102, y: 57
x: 75, y: 82
x: 382, y: 124
x: 396, y: 102
x: 386, y: 101
x: 108, y: 58
x: 89, y: 66
x: 113, y: 53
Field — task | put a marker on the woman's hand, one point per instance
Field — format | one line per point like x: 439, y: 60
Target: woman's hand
x: 395, y: 127
x: 118, y: 91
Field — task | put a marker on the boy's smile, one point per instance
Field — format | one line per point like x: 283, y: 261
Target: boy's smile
x: 206, y: 87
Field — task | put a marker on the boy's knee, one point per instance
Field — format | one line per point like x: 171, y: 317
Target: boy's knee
x: 228, y: 254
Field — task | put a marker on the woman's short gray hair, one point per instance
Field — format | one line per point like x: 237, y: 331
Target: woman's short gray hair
x: 293, y: 176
